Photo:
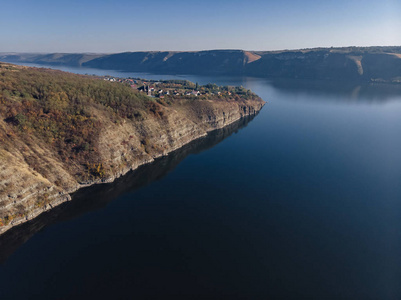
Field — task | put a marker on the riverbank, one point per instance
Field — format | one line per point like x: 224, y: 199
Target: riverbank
x: 97, y: 197
x: 65, y: 196
x: 47, y: 156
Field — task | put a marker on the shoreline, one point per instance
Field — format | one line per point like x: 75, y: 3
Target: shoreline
x: 66, y: 195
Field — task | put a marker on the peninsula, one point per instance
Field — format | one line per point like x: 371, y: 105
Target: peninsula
x: 61, y: 131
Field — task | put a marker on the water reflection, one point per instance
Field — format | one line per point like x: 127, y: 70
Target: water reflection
x: 97, y: 197
x: 302, y: 204
x: 340, y: 91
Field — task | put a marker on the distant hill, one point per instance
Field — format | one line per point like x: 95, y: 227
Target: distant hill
x: 351, y: 63
x: 202, y: 62
x: 56, y: 59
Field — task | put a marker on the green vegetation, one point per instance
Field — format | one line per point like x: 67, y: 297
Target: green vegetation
x: 67, y: 111
x: 57, y: 108
x: 60, y: 130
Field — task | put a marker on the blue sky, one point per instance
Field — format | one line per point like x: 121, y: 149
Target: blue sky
x: 116, y: 26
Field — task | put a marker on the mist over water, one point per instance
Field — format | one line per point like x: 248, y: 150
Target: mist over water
x: 302, y: 202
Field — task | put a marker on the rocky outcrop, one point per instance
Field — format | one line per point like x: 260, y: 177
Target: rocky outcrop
x: 34, y: 180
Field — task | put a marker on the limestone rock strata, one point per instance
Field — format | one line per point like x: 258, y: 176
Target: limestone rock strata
x: 27, y: 190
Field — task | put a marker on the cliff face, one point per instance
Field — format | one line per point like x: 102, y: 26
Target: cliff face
x: 95, y: 197
x: 34, y: 177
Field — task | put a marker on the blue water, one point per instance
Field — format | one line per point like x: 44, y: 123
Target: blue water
x: 304, y: 201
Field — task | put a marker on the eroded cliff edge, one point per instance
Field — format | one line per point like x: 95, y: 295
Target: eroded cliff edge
x: 98, y: 196
x: 55, y: 141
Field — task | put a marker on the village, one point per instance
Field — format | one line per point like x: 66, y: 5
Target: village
x: 179, y: 88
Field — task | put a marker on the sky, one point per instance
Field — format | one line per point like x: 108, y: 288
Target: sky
x: 105, y: 26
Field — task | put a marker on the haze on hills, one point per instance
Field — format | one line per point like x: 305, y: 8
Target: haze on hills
x: 358, y: 64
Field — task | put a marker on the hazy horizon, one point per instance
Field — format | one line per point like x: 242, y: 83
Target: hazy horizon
x: 129, y: 26
x: 222, y: 49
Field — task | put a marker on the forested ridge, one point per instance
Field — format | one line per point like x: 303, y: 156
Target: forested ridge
x: 58, y: 108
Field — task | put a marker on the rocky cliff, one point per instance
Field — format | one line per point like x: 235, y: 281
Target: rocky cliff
x: 41, y: 164
x: 98, y: 196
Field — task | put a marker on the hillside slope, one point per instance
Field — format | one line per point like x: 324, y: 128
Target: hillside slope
x: 61, y: 131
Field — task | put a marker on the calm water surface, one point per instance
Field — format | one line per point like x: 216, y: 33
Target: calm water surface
x: 304, y: 201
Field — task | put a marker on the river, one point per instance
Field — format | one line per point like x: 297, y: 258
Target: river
x: 303, y: 201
